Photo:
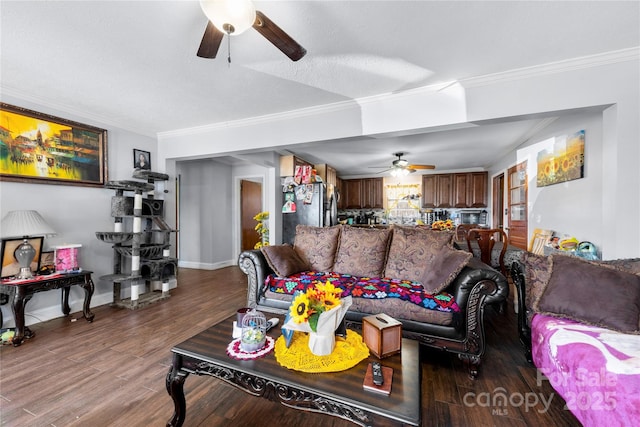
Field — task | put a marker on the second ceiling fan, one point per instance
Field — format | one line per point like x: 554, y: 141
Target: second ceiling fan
x: 236, y: 16
x: 401, y: 166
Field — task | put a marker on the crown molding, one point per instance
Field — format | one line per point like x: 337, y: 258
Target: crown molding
x: 258, y: 120
x: 590, y: 61
x: 83, y: 115
x: 607, y: 58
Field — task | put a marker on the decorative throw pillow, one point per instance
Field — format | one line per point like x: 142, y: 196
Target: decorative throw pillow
x: 592, y: 294
x: 412, y: 250
x: 629, y: 265
x: 537, y: 271
x: 284, y: 260
x: 445, y: 267
x: 317, y: 246
x: 362, y: 252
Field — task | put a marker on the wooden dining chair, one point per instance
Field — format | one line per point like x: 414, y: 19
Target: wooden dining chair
x: 486, y: 239
x: 462, y: 230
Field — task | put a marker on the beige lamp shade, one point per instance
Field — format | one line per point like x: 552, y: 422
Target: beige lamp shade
x: 24, y: 223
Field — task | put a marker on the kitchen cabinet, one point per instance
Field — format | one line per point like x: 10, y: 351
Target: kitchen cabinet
x: 328, y: 175
x: 478, y: 190
x: 364, y: 193
x: 437, y: 191
x: 352, y: 193
x: 288, y: 165
x: 470, y: 190
x: 372, y: 192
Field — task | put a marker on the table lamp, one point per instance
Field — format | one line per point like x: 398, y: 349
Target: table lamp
x: 25, y: 224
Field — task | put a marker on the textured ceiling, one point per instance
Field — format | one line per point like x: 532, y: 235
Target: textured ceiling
x: 132, y: 64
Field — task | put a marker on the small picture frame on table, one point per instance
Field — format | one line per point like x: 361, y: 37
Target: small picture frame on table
x: 141, y: 159
x: 47, y: 262
x: 10, y: 266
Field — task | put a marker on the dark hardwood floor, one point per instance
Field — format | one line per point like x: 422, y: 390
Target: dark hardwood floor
x: 112, y: 371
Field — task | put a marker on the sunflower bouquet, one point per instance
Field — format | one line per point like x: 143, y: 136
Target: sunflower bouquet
x: 318, y: 311
x: 443, y: 225
x: 308, y: 306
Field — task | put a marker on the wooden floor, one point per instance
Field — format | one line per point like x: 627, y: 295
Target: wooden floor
x: 112, y: 371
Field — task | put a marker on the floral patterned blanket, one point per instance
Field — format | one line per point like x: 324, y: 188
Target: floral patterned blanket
x: 365, y: 287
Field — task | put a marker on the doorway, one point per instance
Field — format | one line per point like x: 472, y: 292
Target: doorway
x: 250, y: 206
x: 517, y: 205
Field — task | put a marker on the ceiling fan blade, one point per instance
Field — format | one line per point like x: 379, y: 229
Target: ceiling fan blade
x: 386, y: 170
x: 421, y: 167
x: 278, y: 37
x: 210, y: 41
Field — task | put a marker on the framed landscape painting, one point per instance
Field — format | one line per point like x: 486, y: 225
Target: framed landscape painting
x: 564, y: 161
x: 38, y: 148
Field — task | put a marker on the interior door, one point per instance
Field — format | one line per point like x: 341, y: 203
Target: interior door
x: 517, y: 205
x: 497, y: 196
x: 250, y: 205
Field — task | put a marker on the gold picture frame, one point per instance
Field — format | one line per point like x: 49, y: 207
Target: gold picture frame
x: 39, y: 148
x: 10, y: 266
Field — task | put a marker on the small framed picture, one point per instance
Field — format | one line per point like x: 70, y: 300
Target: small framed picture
x: 141, y: 159
x: 47, y: 261
x: 10, y: 266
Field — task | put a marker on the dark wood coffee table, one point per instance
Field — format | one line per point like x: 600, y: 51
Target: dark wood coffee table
x: 339, y: 394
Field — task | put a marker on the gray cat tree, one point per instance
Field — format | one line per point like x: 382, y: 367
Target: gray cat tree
x: 141, y: 257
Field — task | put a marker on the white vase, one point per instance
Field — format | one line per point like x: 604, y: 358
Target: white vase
x: 321, y: 345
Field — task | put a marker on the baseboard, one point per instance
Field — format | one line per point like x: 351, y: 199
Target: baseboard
x: 53, y: 312
x: 205, y: 266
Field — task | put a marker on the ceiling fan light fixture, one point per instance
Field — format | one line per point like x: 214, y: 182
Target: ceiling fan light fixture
x: 399, y: 172
x: 232, y: 17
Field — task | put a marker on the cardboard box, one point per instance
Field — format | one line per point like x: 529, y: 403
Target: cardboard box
x: 382, y: 334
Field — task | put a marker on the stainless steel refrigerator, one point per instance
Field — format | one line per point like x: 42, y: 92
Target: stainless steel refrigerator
x: 313, y: 209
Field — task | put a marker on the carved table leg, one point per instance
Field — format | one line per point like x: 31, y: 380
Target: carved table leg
x: 88, y: 292
x: 19, y: 301
x: 175, y: 387
x: 65, y: 300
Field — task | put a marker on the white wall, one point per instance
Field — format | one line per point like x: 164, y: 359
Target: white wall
x: 76, y: 213
x: 573, y: 207
x: 205, y: 214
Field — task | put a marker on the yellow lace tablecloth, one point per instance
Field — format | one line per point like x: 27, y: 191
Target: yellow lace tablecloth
x: 346, y: 354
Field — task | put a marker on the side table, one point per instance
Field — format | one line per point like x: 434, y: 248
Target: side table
x: 21, y: 291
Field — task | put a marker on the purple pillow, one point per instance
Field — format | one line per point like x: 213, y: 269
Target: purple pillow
x: 443, y: 269
x: 593, y: 294
x: 284, y: 260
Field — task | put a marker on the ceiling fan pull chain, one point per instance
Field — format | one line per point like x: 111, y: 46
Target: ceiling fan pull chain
x: 229, y: 51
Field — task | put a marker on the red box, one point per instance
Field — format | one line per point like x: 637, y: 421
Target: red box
x: 382, y: 334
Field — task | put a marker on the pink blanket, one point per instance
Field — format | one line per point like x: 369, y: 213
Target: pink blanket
x: 595, y: 370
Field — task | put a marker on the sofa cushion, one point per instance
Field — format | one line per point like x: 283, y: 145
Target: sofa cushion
x: 412, y: 250
x: 317, y: 246
x: 584, y: 291
x: 284, y: 260
x: 362, y: 251
x: 445, y: 267
x: 537, y: 272
x: 629, y: 265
